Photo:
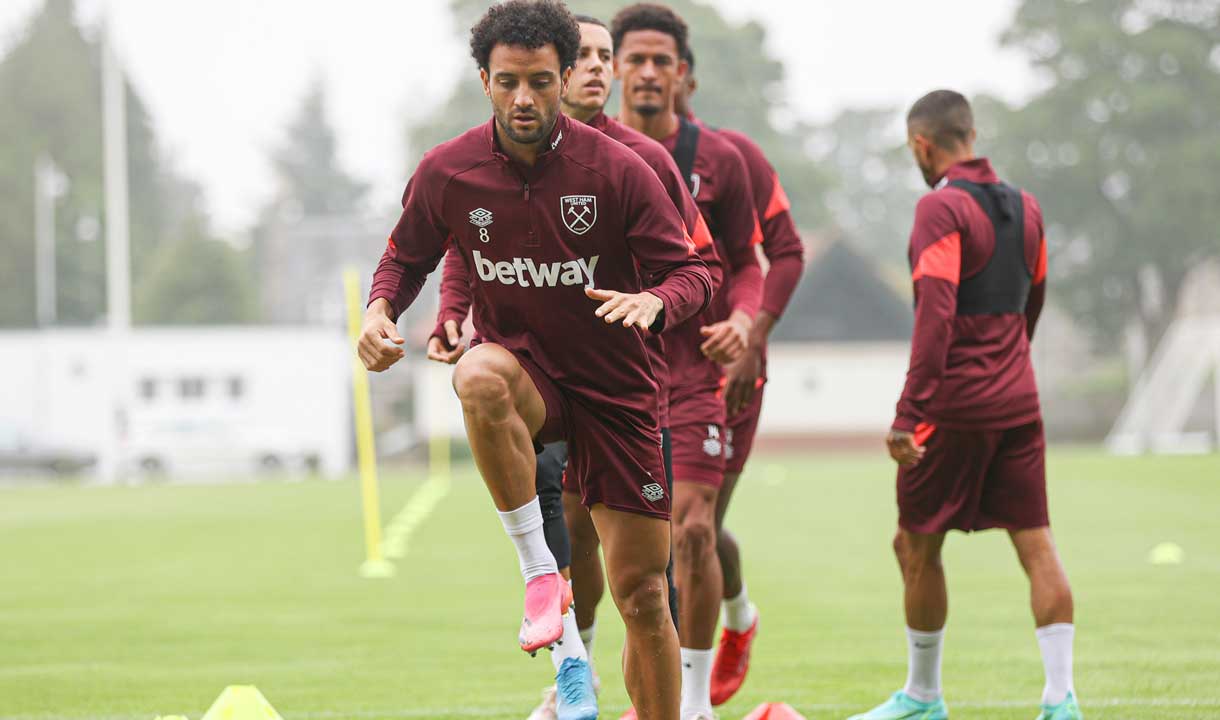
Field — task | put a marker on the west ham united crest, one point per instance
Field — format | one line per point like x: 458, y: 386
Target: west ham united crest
x: 579, y: 212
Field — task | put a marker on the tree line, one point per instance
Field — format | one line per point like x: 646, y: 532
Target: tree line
x: 1120, y: 145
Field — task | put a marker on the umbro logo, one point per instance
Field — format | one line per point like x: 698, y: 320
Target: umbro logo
x: 712, y: 445
x: 652, y: 492
x: 558, y: 139
x: 480, y: 217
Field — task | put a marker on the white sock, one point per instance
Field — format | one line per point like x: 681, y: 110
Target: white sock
x: 1055, y: 641
x: 696, y: 681
x: 570, y: 644
x: 739, y: 612
x: 923, y: 664
x: 524, y: 527
x: 586, y: 637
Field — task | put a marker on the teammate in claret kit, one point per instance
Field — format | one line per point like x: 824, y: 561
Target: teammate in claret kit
x: 743, y: 389
x: 649, y: 42
x: 968, y: 432
x: 562, y: 227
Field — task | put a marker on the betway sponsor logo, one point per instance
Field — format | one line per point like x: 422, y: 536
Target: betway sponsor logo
x: 525, y: 272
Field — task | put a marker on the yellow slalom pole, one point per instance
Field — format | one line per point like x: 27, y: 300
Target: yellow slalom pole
x: 438, y: 456
x: 374, y: 565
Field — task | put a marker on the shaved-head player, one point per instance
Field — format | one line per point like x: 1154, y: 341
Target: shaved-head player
x: 968, y: 432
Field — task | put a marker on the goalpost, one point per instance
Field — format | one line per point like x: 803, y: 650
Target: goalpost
x: 1157, y: 413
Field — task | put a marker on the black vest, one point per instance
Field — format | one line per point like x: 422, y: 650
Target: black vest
x: 1003, y: 284
x: 685, y: 150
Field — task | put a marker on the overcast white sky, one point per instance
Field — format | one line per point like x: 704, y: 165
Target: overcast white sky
x: 223, y: 77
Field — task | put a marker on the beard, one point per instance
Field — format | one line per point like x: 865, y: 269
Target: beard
x: 647, y: 109
x: 546, y: 123
x: 929, y: 176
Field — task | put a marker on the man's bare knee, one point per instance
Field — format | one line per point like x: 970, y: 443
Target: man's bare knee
x: 695, y: 537
x: 643, y: 600
x: 483, y: 383
x: 901, y: 549
x: 918, y: 555
x: 1061, y: 598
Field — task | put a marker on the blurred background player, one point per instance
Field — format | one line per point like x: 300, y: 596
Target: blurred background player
x: 587, y: 94
x: 649, y: 42
x: 552, y: 362
x: 743, y: 392
x: 968, y: 432
x: 584, y: 97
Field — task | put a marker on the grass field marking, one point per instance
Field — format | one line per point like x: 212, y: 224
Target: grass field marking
x: 418, y: 508
x: 498, y: 710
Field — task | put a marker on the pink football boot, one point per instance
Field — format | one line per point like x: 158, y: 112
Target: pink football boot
x: 547, y: 598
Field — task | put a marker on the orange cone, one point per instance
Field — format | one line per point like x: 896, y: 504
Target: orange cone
x: 774, y: 711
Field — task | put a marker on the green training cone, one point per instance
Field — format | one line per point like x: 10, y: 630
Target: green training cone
x: 241, y: 702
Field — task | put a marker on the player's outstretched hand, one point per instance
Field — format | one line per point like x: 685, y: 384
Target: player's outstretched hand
x: 639, y: 309
x: 903, y: 448
x: 379, y: 340
x: 727, y: 339
x: 449, y: 350
x: 742, y: 380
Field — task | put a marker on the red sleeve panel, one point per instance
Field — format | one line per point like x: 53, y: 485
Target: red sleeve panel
x: 737, y: 221
x: 936, y: 260
x: 784, y: 250
x: 780, y: 241
x: 1037, y: 292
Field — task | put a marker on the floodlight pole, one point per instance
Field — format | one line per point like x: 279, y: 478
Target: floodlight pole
x: 118, y: 257
x: 49, y: 185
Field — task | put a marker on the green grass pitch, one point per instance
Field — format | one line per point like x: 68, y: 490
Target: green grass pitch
x: 131, y: 602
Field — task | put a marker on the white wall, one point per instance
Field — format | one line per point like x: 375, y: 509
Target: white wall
x: 56, y: 387
x: 813, y: 388
x: 832, y: 388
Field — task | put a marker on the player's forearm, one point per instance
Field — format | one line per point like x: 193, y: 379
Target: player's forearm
x: 396, y: 283
x: 782, y: 278
x: 760, y: 330
x: 380, y: 307
x: 930, y: 340
x: 684, y: 292
x: 745, y: 293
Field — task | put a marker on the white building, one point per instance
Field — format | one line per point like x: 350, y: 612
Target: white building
x: 202, y: 400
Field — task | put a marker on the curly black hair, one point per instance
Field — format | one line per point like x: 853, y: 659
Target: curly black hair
x: 650, y: 16
x: 689, y: 57
x: 527, y: 23
x: 589, y: 19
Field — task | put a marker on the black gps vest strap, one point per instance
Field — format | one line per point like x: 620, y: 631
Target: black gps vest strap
x: 1003, y: 284
x: 684, y: 151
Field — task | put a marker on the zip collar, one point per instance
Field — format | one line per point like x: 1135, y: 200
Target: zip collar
x: 554, y: 142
